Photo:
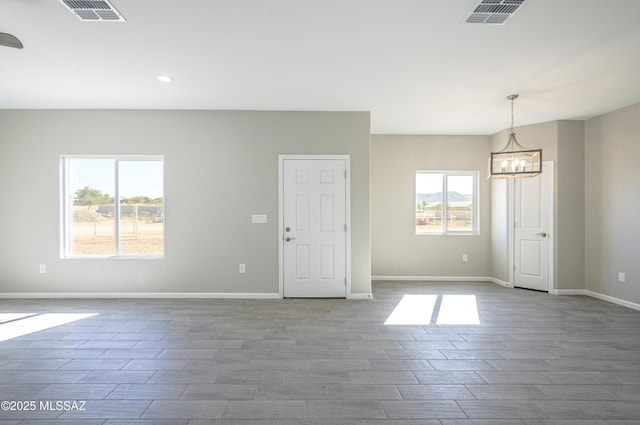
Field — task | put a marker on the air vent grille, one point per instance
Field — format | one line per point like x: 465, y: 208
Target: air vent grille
x: 493, y: 11
x: 93, y: 10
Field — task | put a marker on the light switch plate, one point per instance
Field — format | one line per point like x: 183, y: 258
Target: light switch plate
x: 259, y: 218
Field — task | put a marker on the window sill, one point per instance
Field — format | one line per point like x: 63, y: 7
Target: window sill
x: 114, y: 257
x: 448, y: 234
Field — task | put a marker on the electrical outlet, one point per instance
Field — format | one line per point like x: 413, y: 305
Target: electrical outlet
x: 43, y: 268
x: 465, y: 258
x: 622, y: 277
x: 242, y: 268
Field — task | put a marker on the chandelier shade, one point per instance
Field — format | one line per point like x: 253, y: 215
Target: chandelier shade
x: 514, y: 160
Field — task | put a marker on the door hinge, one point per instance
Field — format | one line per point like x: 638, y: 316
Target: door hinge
x: 345, y: 227
x: 345, y: 281
x: 345, y: 174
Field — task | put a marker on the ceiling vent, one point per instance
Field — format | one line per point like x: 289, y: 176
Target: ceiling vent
x: 493, y: 11
x: 93, y: 10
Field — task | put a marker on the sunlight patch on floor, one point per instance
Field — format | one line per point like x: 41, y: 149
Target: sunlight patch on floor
x: 13, y: 325
x: 419, y: 310
x: 413, y: 310
x: 458, y: 310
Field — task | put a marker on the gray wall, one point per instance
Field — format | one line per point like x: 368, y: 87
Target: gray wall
x: 569, y: 201
x: 612, y: 158
x: 396, y: 250
x: 225, y: 163
x: 500, y: 230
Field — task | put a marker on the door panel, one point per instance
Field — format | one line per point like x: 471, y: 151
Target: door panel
x: 314, y: 221
x: 326, y: 213
x: 302, y: 262
x: 327, y: 267
x: 531, y: 263
x: 531, y: 204
x: 302, y: 213
x: 532, y: 229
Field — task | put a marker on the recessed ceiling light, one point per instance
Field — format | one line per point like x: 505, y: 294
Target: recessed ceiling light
x: 164, y: 78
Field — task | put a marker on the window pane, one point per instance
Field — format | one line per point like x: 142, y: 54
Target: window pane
x: 429, y: 203
x: 460, y: 203
x: 141, y: 207
x: 91, y: 216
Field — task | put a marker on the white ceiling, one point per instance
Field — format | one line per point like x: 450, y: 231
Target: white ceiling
x: 415, y: 64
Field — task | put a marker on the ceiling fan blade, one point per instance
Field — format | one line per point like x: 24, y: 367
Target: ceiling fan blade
x: 10, y: 41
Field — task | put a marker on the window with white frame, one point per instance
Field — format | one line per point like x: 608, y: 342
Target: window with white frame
x: 446, y: 202
x: 112, y: 206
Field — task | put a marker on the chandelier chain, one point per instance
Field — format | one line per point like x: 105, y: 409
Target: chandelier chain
x: 512, y: 115
x: 512, y: 97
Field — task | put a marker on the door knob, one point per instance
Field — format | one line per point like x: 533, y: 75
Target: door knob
x: 288, y: 239
x: 543, y: 234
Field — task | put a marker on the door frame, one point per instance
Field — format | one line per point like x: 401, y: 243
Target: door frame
x: 281, y: 159
x: 549, y: 168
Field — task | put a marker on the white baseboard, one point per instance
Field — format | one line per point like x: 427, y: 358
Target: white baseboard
x: 360, y: 296
x: 59, y: 295
x: 597, y: 295
x: 434, y: 278
x: 614, y: 300
x: 567, y: 292
x: 445, y: 279
x: 501, y: 282
x: 276, y: 296
x: 158, y: 295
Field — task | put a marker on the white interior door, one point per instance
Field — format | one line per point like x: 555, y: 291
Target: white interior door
x: 532, y: 232
x: 314, y: 228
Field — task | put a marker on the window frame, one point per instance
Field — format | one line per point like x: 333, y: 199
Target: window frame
x: 66, y: 204
x: 475, y: 202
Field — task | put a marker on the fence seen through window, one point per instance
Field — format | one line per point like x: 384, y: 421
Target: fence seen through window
x: 113, y: 206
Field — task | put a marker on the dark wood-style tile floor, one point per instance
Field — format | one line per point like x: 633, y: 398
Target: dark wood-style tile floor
x: 533, y: 359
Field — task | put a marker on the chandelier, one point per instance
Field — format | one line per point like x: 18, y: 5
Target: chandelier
x: 514, y: 160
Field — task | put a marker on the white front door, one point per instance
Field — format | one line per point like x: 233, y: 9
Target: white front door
x: 314, y: 228
x: 532, y: 233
